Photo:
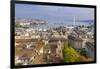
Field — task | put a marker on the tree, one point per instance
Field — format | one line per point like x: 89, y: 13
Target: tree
x: 83, y: 52
x: 69, y: 54
x: 18, y: 64
x: 18, y: 25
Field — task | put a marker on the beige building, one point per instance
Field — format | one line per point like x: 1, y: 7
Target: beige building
x: 75, y: 42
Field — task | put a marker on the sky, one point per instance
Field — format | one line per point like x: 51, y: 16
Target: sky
x: 53, y: 13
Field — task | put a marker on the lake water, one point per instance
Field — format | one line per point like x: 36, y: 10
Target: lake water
x: 53, y: 25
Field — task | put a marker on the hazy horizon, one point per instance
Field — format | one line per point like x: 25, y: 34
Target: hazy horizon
x: 54, y: 13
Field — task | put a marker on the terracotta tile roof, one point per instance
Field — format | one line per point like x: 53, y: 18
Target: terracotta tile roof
x: 26, y: 53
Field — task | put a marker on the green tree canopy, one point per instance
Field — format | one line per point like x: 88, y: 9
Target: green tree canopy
x: 70, y: 55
